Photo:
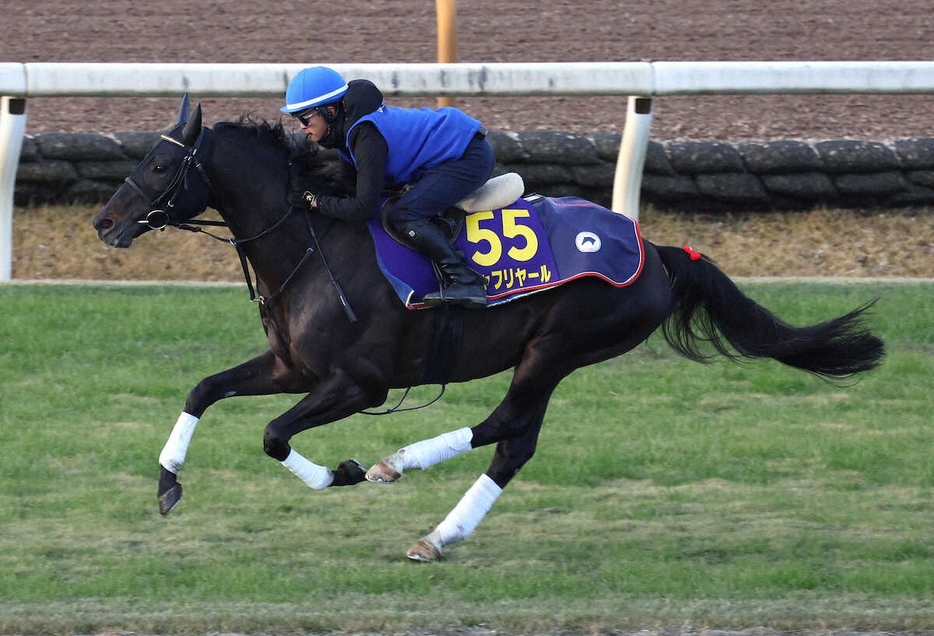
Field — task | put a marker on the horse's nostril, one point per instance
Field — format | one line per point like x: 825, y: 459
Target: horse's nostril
x: 104, y: 224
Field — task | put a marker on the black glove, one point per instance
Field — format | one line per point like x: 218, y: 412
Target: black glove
x: 300, y: 195
x: 303, y: 199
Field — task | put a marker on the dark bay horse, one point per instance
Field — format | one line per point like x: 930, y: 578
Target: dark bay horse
x: 338, y: 333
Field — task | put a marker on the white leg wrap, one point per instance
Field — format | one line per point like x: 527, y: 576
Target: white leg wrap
x: 176, y: 447
x: 467, y: 514
x: 317, y: 477
x: 429, y: 452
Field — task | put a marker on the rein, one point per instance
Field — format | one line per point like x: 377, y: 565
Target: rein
x: 238, y: 243
x: 265, y: 301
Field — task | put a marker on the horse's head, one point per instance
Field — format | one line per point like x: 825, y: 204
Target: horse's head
x: 168, y: 187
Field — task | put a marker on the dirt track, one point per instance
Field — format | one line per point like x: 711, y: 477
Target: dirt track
x: 495, y: 31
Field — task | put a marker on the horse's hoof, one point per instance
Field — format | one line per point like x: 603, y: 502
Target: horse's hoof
x: 424, y: 552
x: 383, y: 472
x: 349, y: 473
x: 169, y: 499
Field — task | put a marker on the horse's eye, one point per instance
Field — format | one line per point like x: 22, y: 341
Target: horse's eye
x: 156, y: 169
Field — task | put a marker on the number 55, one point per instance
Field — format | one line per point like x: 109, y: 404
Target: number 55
x: 511, y: 229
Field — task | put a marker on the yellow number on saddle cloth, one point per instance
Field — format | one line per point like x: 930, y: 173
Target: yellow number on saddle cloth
x: 510, y: 226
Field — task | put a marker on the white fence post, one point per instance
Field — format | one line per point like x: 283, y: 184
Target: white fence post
x: 627, y: 183
x: 12, y: 129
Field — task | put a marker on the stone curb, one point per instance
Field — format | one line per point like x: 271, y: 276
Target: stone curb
x: 683, y: 175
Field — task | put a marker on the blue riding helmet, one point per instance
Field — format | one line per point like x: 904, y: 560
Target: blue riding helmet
x: 313, y: 87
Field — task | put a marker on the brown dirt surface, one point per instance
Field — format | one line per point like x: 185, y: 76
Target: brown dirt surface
x: 895, y: 243
x: 404, y: 31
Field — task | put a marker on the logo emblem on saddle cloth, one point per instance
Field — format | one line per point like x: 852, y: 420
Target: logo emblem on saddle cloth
x: 532, y: 245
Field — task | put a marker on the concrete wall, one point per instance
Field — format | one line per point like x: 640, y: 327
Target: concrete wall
x: 683, y: 175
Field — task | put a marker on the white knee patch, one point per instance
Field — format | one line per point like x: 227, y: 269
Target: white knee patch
x: 429, y: 452
x: 468, y: 513
x: 176, y: 447
x: 315, y: 476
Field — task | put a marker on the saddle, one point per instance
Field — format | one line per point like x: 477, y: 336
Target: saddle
x: 531, y: 244
x: 496, y: 193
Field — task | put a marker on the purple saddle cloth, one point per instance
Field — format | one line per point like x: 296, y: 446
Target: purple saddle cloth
x: 534, y: 244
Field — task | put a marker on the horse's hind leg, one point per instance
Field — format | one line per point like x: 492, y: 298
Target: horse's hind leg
x: 464, y: 518
x: 515, y: 424
x: 521, y: 418
x: 420, y: 455
x: 507, y: 416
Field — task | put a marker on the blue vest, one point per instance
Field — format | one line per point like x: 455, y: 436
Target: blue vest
x: 419, y: 138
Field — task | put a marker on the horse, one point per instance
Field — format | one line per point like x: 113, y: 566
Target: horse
x: 339, y: 336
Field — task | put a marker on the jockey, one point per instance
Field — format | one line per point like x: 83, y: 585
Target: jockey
x: 441, y: 155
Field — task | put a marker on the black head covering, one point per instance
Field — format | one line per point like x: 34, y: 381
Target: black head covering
x: 362, y: 98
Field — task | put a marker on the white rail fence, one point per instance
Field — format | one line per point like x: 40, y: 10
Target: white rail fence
x: 639, y: 82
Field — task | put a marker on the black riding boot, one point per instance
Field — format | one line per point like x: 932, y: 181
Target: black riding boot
x: 460, y: 285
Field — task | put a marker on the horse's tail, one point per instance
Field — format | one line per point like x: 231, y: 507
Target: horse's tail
x: 707, y: 307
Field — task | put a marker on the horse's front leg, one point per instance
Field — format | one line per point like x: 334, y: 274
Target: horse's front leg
x: 333, y: 398
x: 254, y: 377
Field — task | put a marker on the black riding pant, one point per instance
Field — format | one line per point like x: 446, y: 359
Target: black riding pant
x: 442, y: 186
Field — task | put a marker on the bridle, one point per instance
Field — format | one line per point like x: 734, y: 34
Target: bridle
x: 158, y: 218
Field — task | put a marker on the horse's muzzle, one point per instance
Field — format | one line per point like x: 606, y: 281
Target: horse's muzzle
x: 110, y: 232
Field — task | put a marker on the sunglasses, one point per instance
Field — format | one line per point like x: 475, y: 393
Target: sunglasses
x: 305, y: 118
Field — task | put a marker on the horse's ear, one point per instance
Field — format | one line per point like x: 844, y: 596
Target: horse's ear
x: 192, y: 128
x: 183, y: 111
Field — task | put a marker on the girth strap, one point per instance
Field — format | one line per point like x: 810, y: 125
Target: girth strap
x: 447, y: 330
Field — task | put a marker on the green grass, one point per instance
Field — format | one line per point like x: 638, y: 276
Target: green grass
x: 664, y: 492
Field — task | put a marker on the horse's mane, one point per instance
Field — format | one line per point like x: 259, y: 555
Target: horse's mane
x: 301, y: 156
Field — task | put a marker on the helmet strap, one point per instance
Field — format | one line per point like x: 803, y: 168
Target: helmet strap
x: 326, y: 140
x: 327, y: 115
x: 334, y: 136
